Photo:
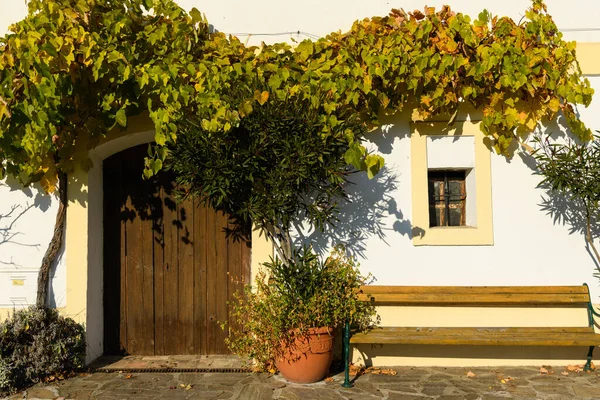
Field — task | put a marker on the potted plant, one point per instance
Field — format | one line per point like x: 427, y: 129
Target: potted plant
x: 287, y: 321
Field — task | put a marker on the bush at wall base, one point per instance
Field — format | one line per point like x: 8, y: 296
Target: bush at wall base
x: 38, y: 343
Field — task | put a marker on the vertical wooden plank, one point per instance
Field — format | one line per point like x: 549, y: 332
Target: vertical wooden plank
x: 221, y: 282
x: 134, y: 273
x: 246, y: 254
x: 186, y: 276
x: 171, y: 273
x: 158, y: 234
x: 123, y: 338
x: 235, y: 279
x: 211, y: 281
x: 200, y: 276
x: 147, y: 256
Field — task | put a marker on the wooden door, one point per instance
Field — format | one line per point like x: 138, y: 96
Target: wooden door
x: 169, y: 268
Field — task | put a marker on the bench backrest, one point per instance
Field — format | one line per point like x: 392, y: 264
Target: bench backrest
x: 515, y: 296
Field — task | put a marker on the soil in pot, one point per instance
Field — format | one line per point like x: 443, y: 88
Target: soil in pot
x: 309, y: 359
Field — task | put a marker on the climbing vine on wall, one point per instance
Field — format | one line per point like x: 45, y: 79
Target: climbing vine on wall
x: 74, y: 69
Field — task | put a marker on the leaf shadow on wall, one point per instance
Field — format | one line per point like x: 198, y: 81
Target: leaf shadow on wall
x: 562, y: 208
x: 370, y: 211
x: 565, y: 210
x: 13, y: 239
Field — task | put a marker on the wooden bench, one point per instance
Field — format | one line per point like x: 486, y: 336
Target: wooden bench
x: 483, y: 296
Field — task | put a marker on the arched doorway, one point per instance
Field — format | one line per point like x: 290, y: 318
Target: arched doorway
x: 169, y: 268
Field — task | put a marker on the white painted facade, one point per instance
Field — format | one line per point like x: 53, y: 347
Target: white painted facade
x: 530, y: 247
x: 24, y: 236
x: 271, y: 20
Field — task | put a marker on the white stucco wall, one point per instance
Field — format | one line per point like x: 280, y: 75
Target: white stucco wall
x: 24, y: 237
x: 578, y: 19
x: 530, y: 248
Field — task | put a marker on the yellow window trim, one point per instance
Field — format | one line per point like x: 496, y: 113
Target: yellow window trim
x: 423, y: 235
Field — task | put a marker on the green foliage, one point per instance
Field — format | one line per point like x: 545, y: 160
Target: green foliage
x: 37, y: 343
x: 278, y: 162
x: 290, y: 299
x: 73, y: 69
x: 573, y: 169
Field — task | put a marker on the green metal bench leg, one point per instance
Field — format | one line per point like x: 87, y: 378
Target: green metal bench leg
x: 346, y: 355
x: 588, y: 364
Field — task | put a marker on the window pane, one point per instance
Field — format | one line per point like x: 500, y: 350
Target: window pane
x: 434, y: 216
x: 456, y: 216
x: 455, y: 189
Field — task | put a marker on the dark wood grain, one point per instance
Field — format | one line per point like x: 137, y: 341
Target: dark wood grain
x: 186, y: 277
x: 170, y: 267
x: 200, y: 277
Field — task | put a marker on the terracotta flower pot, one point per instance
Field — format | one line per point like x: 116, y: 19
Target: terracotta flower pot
x: 309, y: 359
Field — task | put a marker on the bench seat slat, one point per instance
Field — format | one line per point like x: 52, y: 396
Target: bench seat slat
x: 475, y: 299
x: 488, y: 330
x: 481, y: 336
x: 442, y: 290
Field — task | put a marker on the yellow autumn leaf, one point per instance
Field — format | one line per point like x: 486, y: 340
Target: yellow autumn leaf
x: 261, y: 97
x: 554, y: 104
x: 49, y: 178
x: 426, y: 100
x: 49, y: 183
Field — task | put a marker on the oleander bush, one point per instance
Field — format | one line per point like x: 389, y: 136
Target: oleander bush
x: 290, y: 299
x: 36, y: 344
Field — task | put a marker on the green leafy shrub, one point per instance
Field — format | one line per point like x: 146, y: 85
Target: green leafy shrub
x: 288, y: 300
x: 573, y: 169
x: 36, y: 343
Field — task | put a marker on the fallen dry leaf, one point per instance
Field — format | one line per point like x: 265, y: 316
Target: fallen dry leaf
x: 502, y: 381
x: 575, y: 368
x: 471, y: 375
x: 565, y: 373
x: 547, y: 368
x: 356, y: 370
x: 172, y: 387
x: 373, y: 370
x: 329, y: 379
x: 376, y: 371
x: 189, y: 387
x: 128, y: 376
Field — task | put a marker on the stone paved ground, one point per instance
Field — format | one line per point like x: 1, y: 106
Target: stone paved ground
x: 409, y: 383
x: 203, y: 363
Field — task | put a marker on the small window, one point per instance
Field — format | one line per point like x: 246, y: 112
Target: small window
x: 447, y: 197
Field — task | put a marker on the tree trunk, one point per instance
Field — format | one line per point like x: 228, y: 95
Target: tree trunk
x: 55, y: 244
